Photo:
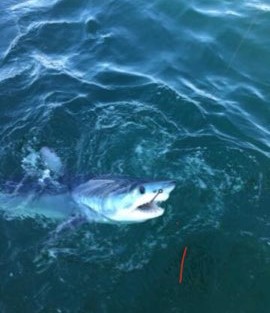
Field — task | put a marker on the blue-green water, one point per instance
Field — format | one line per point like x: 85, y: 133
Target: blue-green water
x: 164, y: 88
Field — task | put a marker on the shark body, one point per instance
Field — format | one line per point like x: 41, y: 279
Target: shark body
x: 103, y: 199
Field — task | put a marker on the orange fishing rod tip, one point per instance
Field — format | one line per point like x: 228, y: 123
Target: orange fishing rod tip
x: 182, y: 265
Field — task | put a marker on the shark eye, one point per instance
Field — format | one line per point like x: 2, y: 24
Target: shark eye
x: 142, y: 190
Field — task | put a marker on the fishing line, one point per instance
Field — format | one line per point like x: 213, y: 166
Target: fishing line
x: 251, y: 24
x: 158, y: 192
x: 238, y: 47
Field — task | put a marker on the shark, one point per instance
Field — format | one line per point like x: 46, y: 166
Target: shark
x: 105, y: 198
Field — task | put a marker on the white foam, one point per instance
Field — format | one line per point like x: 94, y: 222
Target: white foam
x: 51, y: 160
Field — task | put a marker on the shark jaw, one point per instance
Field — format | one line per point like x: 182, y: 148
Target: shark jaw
x: 143, y: 211
x: 149, y: 210
x: 139, y: 214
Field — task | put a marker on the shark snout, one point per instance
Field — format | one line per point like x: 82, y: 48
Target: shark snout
x: 160, y: 189
x: 165, y: 186
x: 169, y: 183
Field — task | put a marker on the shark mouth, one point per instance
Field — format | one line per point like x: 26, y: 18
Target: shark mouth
x: 150, y: 208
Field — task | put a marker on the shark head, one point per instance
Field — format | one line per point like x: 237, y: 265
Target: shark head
x: 124, y: 199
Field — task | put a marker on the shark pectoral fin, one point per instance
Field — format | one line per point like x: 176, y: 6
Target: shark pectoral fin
x: 69, y: 225
x: 52, y: 239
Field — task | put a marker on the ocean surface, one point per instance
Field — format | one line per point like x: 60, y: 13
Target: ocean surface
x: 162, y: 88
